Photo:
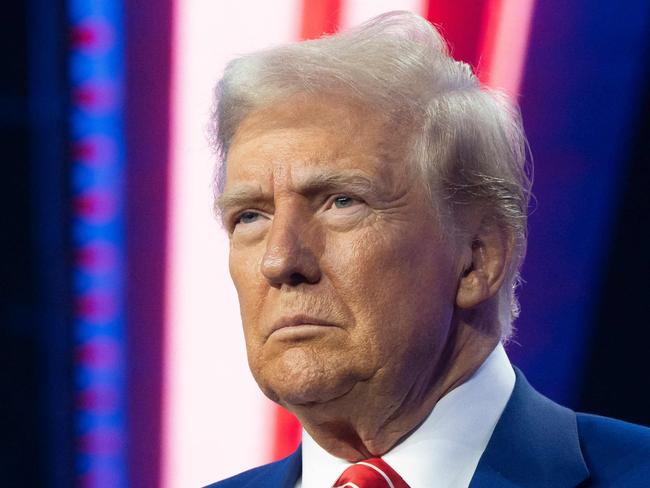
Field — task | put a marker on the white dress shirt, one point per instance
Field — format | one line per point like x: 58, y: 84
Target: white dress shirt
x: 444, y: 451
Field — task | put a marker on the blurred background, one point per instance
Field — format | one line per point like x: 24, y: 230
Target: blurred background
x: 122, y: 358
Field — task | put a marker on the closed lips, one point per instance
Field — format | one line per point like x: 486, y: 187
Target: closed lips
x: 298, y: 320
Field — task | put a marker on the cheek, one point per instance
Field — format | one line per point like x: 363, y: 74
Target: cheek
x: 398, y: 284
x: 244, y: 268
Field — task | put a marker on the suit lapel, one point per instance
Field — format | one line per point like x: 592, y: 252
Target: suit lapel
x: 535, y: 444
x: 293, y: 469
x: 280, y: 474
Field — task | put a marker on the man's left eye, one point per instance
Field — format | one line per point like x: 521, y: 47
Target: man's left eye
x: 344, y: 201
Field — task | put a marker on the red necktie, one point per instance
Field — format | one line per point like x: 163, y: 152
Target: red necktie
x: 371, y: 473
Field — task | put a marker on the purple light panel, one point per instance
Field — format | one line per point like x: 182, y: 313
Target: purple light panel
x: 97, y: 170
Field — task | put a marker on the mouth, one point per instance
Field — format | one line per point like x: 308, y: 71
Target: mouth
x: 299, y: 326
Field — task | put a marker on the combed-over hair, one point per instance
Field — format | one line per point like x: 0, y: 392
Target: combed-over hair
x: 467, y: 140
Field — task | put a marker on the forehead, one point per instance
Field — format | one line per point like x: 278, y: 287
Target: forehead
x: 306, y: 135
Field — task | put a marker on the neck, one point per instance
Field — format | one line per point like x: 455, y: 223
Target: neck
x: 375, y: 416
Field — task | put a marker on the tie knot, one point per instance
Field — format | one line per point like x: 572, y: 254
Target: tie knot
x: 370, y: 473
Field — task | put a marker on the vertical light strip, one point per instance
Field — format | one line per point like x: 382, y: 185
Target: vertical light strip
x: 215, y: 421
x: 97, y: 171
x: 354, y: 12
x: 319, y: 17
x: 506, y: 43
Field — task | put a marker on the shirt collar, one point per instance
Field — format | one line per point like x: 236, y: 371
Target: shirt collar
x: 445, y: 449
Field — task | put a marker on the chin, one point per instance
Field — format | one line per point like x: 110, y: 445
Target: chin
x: 300, y: 377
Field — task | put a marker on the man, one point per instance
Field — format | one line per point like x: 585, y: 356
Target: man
x: 375, y: 196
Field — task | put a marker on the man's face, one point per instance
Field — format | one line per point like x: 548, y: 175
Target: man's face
x: 343, y: 274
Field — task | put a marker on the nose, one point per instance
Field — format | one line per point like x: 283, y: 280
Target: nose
x: 290, y: 258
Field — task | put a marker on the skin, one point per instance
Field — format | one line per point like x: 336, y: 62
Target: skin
x: 359, y: 310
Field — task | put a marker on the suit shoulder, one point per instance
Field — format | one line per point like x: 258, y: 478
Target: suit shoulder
x: 616, y: 452
x: 616, y: 433
x: 272, y: 474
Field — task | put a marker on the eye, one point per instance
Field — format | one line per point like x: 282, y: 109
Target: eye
x: 247, y: 217
x: 344, y: 201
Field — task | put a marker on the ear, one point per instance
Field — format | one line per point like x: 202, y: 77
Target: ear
x: 489, y: 252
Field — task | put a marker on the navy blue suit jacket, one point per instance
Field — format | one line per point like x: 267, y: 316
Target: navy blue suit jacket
x: 536, y: 443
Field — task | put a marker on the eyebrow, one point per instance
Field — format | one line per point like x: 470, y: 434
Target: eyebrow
x: 353, y: 181
x: 312, y: 183
x: 243, y: 195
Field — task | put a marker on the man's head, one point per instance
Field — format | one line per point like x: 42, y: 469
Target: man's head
x: 375, y: 197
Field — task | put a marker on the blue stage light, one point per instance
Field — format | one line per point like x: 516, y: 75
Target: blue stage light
x: 96, y: 72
